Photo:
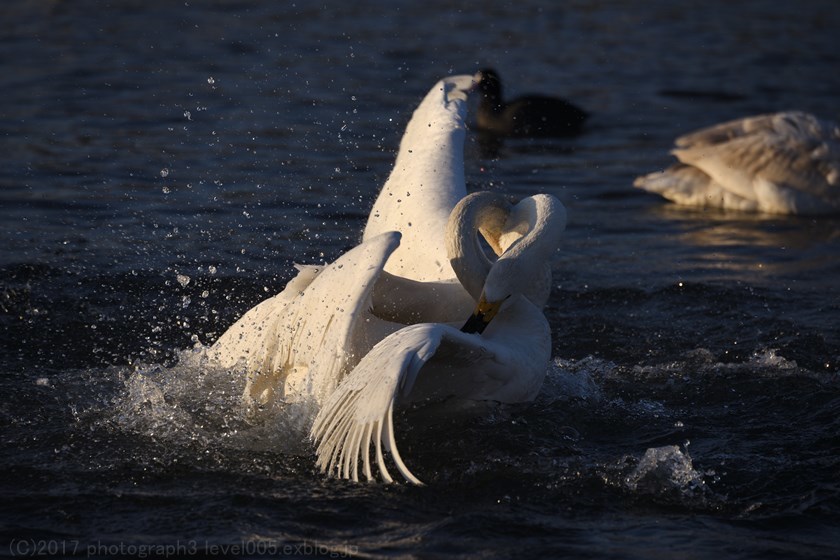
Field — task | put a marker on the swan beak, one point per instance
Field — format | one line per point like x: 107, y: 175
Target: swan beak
x: 481, y: 317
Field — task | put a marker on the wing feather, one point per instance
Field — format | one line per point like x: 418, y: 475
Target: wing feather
x: 301, y: 342
x: 782, y: 160
x: 507, y: 363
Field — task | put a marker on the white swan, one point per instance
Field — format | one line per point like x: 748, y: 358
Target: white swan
x: 506, y: 362
x: 425, y: 184
x: 299, y: 343
x: 782, y: 163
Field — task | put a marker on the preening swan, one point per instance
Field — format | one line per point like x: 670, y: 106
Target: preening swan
x: 782, y: 163
x: 506, y: 362
x: 526, y: 116
x: 301, y: 342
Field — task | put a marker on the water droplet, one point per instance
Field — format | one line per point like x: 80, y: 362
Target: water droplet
x: 211, y: 80
x: 183, y: 280
x: 164, y: 172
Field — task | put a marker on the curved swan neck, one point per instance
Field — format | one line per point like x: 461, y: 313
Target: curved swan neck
x: 525, y: 266
x: 534, y: 225
x: 426, y: 182
x: 524, y: 236
x: 482, y: 212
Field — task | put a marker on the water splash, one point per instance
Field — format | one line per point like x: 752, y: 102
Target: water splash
x: 570, y: 379
x: 668, y: 474
x: 197, y: 404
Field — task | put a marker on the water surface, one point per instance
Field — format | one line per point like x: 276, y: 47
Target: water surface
x: 166, y: 163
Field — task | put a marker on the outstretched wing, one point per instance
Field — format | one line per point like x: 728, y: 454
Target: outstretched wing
x: 427, y: 361
x: 303, y: 342
x: 249, y: 340
x: 361, y: 408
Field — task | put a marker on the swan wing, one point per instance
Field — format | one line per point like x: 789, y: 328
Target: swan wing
x: 302, y: 341
x: 246, y: 340
x: 425, y: 184
x: 785, y: 162
x: 427, y: 361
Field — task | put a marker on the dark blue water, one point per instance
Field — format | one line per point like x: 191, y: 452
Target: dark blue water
x: 165, y: 163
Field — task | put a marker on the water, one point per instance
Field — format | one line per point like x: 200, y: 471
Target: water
x: 166, y: 163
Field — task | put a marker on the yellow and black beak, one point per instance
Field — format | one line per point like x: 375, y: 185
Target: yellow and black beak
x: 481, y: 317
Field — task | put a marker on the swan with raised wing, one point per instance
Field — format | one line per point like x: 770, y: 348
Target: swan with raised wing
x: 781, y: 163
x: 299, y: 343
x: 501, y: 353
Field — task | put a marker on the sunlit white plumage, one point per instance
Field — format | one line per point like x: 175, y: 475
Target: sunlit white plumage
x: 782, y: 163
x: 425, y: 184
x: 301, y: 342
x: 506, y: 363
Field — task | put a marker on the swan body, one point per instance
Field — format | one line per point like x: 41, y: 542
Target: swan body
x: 506, y: 362
x: 782, y: 163
x: 526, y: 116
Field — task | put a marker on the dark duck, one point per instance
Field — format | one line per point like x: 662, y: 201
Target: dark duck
x: 529, y: 116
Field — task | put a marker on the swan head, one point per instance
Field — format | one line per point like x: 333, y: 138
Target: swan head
x: 523, y: 235
x: 488, y: 83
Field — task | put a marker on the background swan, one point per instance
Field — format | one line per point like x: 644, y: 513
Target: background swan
x: 506, y: 362
x: 782, y: 163
x: 299, y: 343
x: 536, y: 116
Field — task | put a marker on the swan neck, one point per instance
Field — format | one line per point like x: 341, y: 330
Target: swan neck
x: 482, y: 214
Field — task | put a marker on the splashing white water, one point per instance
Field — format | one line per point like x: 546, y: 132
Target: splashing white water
x: 570, y: 379
x: 198, y: 403
x: 667, y: 472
